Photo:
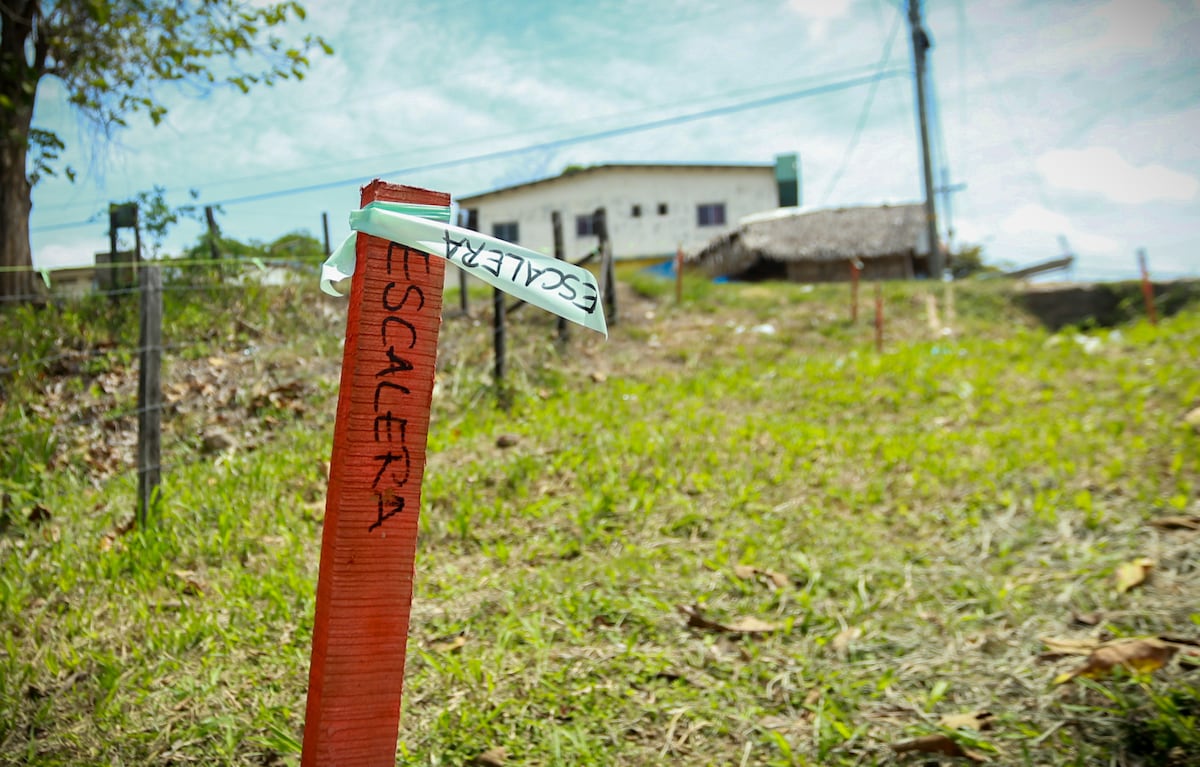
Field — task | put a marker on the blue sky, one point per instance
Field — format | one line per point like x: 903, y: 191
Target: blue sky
x: 1077, y: 118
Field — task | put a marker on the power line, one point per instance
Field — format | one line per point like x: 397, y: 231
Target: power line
x: 862, y: 117
x: 755, y: 103
x: 582, y: 138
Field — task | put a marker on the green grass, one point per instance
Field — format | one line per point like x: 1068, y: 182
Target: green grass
x: 953, y: 499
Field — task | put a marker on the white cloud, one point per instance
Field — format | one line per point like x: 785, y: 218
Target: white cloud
x: 1035, y: 220
x: 820, y: 13
x: 1103, y: 171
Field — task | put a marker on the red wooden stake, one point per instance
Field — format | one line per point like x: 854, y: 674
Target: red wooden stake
x: 679, y: 275
x: 1147, y: 288
x: 364, y: 590
x: 878, y: 317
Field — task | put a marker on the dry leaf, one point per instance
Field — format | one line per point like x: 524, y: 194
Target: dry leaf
x: 937, y: 744
x: 841, y: 642
x: 752, y: 625
x: 745, y: 625
x: 217, y: 362
x: 452, y: 645
x: 507, y: 440
x: 1137, y: 655
x: 1176, y: 523
x: 1133, y: 573
x: 976, y: 720
x: 1059, y: 647
x: 746, y: 572
x: 599, y: 377
x: 1086, y: 619
x: 493, y: 757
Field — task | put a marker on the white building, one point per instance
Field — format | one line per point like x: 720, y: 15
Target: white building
x: 650, y: 209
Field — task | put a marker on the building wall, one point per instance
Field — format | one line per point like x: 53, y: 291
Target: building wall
x: 742, y: 189
x: 898, y: 267
x: 73, y: 281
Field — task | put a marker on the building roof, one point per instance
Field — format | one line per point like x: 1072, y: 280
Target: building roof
x: 837, y: 234
x: 603, y: 167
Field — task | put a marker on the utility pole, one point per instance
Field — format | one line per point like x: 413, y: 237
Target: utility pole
x: 920, y: 44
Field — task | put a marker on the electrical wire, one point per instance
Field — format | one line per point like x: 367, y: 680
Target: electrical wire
x: 862, y: 117
x: 741, y: 106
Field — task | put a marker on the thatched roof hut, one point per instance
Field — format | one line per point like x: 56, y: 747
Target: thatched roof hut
x: 889, y: 241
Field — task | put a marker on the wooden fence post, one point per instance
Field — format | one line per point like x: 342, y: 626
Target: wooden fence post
x: 564, y: 333
x: 1147, y: 287
x: 149, y: 402
x: 213, y: 233
x: 498, y: 318
x: 600, y: 224
x: 468, y: 219
x: 325, y: 231
x: 679, y: 275
x: 368, y: 546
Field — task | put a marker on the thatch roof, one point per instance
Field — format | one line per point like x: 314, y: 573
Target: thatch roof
x: 840, y: 234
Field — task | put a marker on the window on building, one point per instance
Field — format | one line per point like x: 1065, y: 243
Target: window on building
x: 469, y: 218
x: 585, y: 225
x: 710, y: 214
x: 505, y: 230
x: 636, y: 212
x: 662, y: 209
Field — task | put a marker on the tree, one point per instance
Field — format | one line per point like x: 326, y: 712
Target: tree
x: 110, y: 55
x: 968, y: 261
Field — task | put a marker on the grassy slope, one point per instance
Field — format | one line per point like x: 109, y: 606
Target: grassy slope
x: 936, y: 509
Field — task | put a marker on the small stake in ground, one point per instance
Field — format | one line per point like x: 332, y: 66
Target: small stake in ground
x: 1147, y: 288
x: 364, y: 591
x: 679, y: 275
x: 564, y: 334
x: 149, y: 391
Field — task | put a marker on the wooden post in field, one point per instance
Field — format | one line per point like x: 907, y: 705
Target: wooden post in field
x: 149, y: 401
x: 368, y: 547
x: 564, y: 334
x: 213, y: 233
x: 679, y: 275
x: 855, y: 273
x: 463, y: 305
x: 468, y: 219
x: 1147, y: 288
x: 607, y: 271
x: 879, y: 317
x: 498, y: 318
x: 325, y: 230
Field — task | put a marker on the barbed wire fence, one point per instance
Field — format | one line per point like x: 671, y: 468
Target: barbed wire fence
x: 74, y: 374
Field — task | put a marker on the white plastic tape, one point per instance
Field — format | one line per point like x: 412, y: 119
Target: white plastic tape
x: 556, y: 286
